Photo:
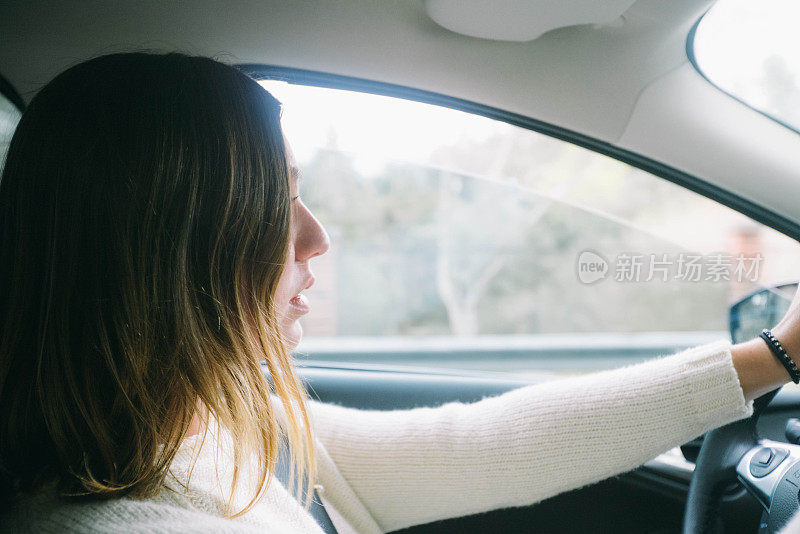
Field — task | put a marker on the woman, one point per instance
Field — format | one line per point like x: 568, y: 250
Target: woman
x: 153, y: 252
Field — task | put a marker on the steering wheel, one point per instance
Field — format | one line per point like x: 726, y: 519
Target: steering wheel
x: 769, y: 470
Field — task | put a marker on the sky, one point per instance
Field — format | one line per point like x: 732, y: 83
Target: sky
x: 414, y: 128
x: 736, y: 37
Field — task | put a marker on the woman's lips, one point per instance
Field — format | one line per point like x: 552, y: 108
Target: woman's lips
x: 300, y: 304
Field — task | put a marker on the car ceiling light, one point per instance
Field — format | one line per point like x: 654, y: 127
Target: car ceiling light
x: 520, y: 20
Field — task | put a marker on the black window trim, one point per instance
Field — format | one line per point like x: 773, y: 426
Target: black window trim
x: 756, y: 212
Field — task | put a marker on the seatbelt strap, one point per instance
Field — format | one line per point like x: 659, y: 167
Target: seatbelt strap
x: 317, y: 509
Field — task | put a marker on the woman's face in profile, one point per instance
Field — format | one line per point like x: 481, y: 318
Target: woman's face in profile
x: 308, y: 239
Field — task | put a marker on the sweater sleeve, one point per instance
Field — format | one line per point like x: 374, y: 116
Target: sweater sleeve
x: 414, y: 466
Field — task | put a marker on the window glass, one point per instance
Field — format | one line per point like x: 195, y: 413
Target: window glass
x: 461, y: 241
x: 9, y: 117
x: 752, y: 51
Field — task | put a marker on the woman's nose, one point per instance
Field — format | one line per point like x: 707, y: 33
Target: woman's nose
x: 312, y: 239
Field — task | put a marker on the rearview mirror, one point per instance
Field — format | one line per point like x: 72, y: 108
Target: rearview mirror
x: 759, y: 310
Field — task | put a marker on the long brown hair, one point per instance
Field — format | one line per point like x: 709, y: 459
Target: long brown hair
x: 144, y: 225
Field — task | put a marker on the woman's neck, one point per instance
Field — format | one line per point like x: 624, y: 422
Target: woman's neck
x: 198, y: 423
x: 195, y: 427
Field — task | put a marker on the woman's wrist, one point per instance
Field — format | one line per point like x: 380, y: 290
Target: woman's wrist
x: 759, y: 370
x: 777, y: 350
x: 786, y: 335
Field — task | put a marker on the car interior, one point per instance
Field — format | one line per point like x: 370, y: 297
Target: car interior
x: 509, y: 187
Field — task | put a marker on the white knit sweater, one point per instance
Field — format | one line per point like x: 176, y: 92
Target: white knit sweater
x: 383, y: 471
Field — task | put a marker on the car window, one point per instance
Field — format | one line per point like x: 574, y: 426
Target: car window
x: 462, y: 241
x: 9, y: 117
x: 750, y: 50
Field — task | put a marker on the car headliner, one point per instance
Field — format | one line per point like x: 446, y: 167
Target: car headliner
x: 628, y: 83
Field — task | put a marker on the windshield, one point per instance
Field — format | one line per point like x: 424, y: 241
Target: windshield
x: 751, y: 50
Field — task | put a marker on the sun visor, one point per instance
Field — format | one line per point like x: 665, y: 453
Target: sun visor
x: 520, y: 20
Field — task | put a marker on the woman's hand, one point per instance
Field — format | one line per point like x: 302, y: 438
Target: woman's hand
x: 759, y: 370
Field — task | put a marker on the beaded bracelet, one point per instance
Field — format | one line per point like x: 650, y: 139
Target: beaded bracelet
x: 780, y: 353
